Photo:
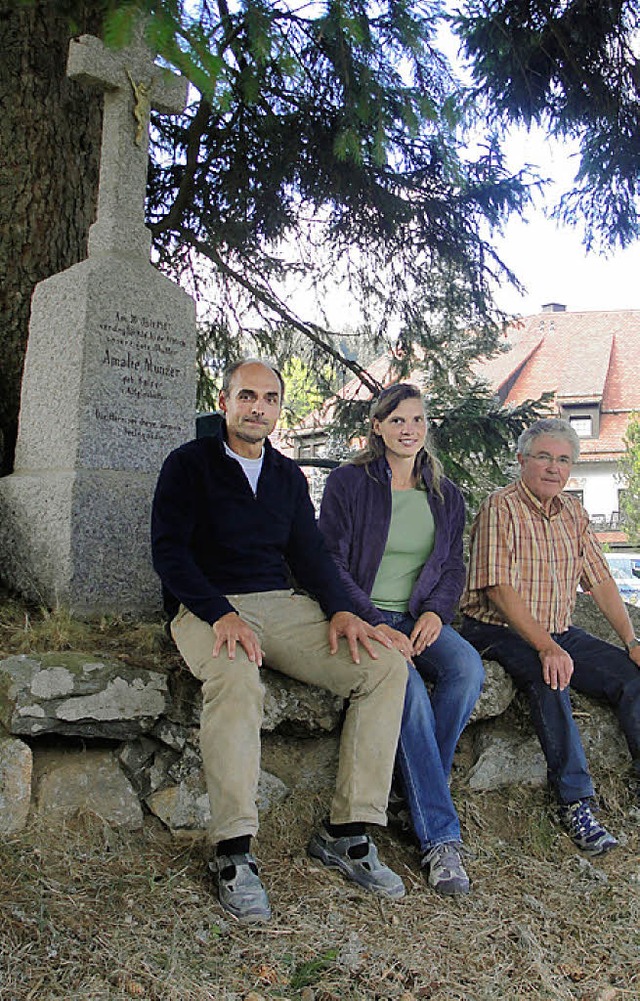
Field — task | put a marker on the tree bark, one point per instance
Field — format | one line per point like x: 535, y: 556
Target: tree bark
x: 50, y: 130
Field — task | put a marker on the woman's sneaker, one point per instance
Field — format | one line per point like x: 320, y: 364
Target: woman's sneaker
x: 240, y: 890
x: 584, y: 830
x: 445, y: 871
x: 357, y: 858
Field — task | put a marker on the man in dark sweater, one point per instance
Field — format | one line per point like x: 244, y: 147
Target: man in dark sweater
x: 232, y: 521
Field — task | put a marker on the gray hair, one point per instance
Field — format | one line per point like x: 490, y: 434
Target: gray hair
x: 555, y: 427
x: 231, y: 370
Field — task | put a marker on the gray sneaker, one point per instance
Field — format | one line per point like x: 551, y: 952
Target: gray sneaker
x: 240, y: 890
x: 357, y: 858
x: 445, y: 871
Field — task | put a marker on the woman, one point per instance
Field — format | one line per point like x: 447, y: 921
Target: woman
x: 394, y: 525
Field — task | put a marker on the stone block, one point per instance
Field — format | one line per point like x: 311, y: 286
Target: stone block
x: 498, y: 692
x: 507, y: 757
x: 602, y: 739
x: 74, y: 694
x: 88, y: 781
x: 15, y: 784
x: 288, y: 703
x: 513, y: 756
x: 79, y: 539
x: 295, y: 704
x: 117, y: 340
x: 185, y: 806
x: 181, y: 807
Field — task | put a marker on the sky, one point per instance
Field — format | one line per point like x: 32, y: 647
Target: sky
x: 549, y: 259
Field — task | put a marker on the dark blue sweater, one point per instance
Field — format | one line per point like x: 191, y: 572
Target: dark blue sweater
x: 211, y: 537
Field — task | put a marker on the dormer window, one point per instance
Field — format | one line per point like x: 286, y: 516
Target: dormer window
x: 583, y: 425
x: 584, y: 416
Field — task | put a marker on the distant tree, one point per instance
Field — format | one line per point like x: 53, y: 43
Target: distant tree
x: 630, y: 466
x: 322, y: 141
x: 572, y: 66
x: 320, y: 138
x: 307, y: 387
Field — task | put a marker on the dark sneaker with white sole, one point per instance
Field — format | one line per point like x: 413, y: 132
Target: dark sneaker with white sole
x: 584, y: 830
x: 240, y: 890
x: 357, y: 859
x: 445, y: 871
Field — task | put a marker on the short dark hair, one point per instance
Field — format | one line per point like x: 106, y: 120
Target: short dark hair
x: 231, y: 370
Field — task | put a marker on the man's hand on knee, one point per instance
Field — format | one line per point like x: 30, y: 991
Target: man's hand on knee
x: 230, y: 630
x: 557, y: 666
x: 356, y: 631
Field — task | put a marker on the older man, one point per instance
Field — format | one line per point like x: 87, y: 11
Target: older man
x: 531, y: 545
x: 231, y: 518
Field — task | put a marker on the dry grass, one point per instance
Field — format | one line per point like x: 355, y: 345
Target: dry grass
x: 90, y: 913
x: 32, y: 629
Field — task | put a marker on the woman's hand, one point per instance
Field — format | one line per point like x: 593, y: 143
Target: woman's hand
x: 399, y: 640
x: 425, y: 632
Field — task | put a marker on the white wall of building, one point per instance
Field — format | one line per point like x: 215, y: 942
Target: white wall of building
x: 599, y: 483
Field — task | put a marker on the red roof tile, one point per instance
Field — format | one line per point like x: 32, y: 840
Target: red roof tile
x: 611, y: 538
x: 580, y: 357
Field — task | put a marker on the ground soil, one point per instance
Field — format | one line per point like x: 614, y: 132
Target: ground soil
x: 91, y: 913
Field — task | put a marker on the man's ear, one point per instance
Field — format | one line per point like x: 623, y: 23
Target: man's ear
x: 222, y: 403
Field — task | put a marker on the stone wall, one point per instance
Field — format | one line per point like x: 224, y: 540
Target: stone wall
x: 81, y: 733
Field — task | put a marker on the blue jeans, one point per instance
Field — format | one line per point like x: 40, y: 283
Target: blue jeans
x: 600, y: 670
x: 431, y: 727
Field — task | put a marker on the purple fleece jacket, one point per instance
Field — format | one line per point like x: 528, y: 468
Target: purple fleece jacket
x: 354, y: 518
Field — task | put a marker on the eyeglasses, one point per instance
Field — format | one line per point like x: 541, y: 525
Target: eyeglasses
x: 563, y: 461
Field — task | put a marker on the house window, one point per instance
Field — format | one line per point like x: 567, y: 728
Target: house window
x: 582, y: 426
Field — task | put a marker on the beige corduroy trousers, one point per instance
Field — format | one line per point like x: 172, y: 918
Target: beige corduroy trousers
x: 293, y: 633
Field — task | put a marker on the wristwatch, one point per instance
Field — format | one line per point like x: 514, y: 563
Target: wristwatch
x: 633, y: 642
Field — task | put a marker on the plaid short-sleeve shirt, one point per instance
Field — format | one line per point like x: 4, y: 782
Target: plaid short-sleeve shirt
x: 543, y: 556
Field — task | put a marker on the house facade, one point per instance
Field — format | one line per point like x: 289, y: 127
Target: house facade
x: 591, y: 363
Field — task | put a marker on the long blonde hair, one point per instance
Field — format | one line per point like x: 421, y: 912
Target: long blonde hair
x: 381, y: 408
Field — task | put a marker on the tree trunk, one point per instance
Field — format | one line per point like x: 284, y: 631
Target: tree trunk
x: 50, y: 130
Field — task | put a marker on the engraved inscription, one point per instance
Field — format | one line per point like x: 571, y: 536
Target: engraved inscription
x: 139, y: 353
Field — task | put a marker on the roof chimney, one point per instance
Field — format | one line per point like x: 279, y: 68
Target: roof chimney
x: 553, y: 307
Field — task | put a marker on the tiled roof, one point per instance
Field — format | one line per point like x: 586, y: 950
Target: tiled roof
x: 521, y: 344
x: 382, y: 370
x: 612, y: 538
x: 610, y: 442
x: 580, y: 357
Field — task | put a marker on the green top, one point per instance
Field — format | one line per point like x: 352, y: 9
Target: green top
x: 409, y: 544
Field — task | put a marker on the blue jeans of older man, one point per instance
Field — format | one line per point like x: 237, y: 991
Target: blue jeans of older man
x: 600, y: 670
x: 431, y: 726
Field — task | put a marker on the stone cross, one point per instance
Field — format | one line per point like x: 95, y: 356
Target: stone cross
x: 132, y: 84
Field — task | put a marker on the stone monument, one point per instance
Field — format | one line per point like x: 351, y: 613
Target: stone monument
x: 109, y: 380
